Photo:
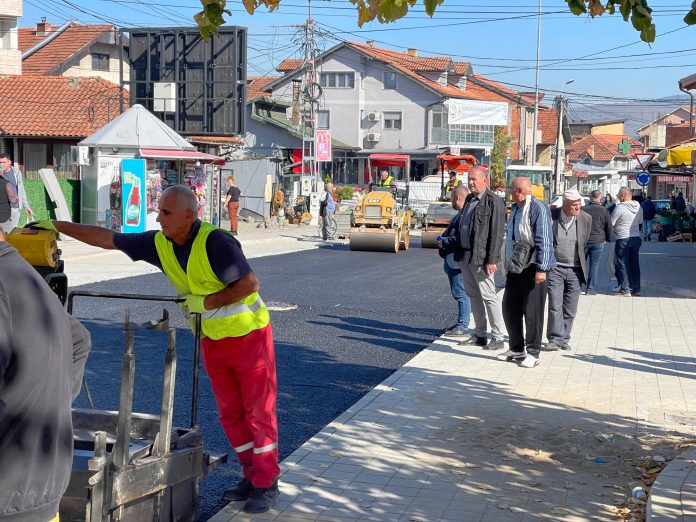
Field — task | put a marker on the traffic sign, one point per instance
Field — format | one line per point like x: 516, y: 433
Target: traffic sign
x: 644, y: 159
x: 643, y: 178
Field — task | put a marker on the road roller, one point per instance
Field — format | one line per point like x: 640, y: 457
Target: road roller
x: 435, y: 221
x: 379, y: 225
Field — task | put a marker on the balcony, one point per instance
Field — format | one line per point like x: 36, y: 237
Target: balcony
x: 477, y: 136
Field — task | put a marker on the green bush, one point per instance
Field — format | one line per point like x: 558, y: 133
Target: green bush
x: 42, y: 205
x: 345, y: 193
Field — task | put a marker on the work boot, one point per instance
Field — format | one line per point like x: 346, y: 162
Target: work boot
x: 242, y: 491
x: 262, y: 499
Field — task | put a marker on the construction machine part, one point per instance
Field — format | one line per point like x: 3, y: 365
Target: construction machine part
x: 405, y: 237
x: 429, y: 238
x: 375, y: 239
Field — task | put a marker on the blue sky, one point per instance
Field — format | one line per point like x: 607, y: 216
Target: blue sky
x: 604, y: 56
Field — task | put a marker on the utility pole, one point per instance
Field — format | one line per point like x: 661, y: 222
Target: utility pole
x: 536, y: 89
x: 310, y: 103
x: 558, y: 168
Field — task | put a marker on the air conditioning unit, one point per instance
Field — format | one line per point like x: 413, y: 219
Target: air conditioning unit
x: 79, y: 155
x: 373, y: 116
x: 373, y: 136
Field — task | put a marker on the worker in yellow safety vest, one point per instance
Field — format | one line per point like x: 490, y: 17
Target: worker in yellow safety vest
x: 385, y: 180
x: 453, y: 181
x: 207, y: 268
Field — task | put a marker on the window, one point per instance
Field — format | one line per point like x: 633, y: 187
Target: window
x: 337, y: 80
x: 323, y: 119
x: 443, y: 133
x: 389, y: 80
x: 5, y: 34
x: 392, y: 120
x: 100, y: 62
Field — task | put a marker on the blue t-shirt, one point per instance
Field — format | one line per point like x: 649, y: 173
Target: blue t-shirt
x: 224, y: 252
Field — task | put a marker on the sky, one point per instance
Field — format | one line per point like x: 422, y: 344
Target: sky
x: 589, y: 61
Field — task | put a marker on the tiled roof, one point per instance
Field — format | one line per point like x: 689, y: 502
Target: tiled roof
x: 290, y: 64
x: 462, y: 68
x: 59, y: 50
x: 415, y: 63
x: 256, y: 85
x: 548, y: 125
x: 600, y: 147
x: 56, y: 106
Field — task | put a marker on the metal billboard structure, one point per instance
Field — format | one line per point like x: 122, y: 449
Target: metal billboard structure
x: 194, y: 86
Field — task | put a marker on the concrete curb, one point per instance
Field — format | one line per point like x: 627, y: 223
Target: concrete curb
x: 673, y: 494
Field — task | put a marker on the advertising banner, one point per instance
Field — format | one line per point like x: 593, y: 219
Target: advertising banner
x: 133, y: 195
x: 470, y: 112
x: 322, y: 140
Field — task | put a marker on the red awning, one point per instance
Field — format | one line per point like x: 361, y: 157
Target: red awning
x: 389, y: 160
x: 185, y: 155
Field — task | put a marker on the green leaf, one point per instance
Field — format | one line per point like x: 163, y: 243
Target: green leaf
x: 577, y: 7
x: 625, y: 9
x: 648, y: 35
x: 690, y: 18
x: 431, y: 5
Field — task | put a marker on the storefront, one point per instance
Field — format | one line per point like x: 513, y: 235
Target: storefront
x: 138, y: 154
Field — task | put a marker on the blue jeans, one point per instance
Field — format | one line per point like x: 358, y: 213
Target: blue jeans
x: 593, y: 251
x: 627, y: 265
x: 456, y: 282
x: 647, y: 228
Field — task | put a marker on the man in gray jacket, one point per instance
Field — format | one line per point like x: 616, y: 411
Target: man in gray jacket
x: 626, y: 219
x: 571, y: 228
x: 42, y: 356
x: 15, y: 179
x: 481, y: 231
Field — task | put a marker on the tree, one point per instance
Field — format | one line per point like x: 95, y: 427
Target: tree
x: 501, y: 149
x: 213, y: 14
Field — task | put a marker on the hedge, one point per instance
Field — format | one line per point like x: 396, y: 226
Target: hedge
x: 42, y: 205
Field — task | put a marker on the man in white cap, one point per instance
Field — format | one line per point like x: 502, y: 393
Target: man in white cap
x: 571, y: 228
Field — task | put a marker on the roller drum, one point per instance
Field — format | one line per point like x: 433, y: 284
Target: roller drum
x: 429, y: 239
x: 377, y: 241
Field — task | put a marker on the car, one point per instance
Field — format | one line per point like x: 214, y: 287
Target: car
x: 557, y: 201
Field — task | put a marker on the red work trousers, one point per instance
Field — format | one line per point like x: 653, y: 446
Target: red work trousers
x: 243, y: 375
x: 233, y: 209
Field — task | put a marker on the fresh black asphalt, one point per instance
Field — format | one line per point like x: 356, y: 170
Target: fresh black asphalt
x: 359, y: 317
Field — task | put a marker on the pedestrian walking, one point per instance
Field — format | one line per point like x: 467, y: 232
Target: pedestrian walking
x: 529, y: 254
x: 571, y: 229
x: 649, y: 212
x: 481, y: 230
x: 626, y: 219
x: 327, y: 208
x: 43, y: 351
x: 599, y: 235
x: 450, y: 251
x: 207, y: 267
x: 609, y: 203
x: 15, y: 178
x: 232, y: 203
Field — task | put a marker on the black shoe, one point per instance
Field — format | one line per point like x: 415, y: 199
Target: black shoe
x: 474, y: 340
x: 262, y: 499
x: 242, y: 491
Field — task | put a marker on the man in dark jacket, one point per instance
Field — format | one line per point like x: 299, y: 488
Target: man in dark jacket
x: 680, y: 203
x: 571, y: 228
x: 42, y: 356
x: 649, y: 213
x: 481, y: 231
x: 600, y: 234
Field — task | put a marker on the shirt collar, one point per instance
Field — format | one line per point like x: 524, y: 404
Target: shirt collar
x: 566, y: 220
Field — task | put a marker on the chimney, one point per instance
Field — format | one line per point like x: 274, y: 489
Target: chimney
x: 412, y: 52
x: 370, y: 43
x: 43, y: 27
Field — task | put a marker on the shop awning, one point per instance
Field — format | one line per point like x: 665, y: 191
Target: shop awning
x: 678, y: 156
x: 181, y: 155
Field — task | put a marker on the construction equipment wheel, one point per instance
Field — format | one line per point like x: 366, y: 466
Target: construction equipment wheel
x: 405, y: 238
x: 429, y: 239
x: 377, y: 241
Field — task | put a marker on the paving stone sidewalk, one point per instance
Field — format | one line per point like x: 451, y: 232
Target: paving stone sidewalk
x: 456, y: 435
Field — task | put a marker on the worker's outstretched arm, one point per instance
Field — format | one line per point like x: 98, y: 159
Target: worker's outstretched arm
x: 95, y: 236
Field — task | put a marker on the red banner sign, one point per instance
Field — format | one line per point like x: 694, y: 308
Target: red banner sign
x: 673, y: 179
x: 322, y: 140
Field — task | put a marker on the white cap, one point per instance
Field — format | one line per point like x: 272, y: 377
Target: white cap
x: 572, y: 195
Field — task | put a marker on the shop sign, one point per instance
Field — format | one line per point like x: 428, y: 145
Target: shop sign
x: 133, y: 195
x: 322, y: 140
x: 673, y: 179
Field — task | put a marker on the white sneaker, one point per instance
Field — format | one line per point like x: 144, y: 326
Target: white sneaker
x: 510, y: 356
x: 529, y: 362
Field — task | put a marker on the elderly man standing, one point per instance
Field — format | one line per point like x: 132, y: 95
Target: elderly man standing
x: 481, y: 230
x: 627, y: 218
x: 15, y: 179
x: 571, y: 228
x: 529, y: 254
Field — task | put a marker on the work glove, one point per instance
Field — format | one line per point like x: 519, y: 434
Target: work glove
x: 194, y: 303
x: 46, y: 224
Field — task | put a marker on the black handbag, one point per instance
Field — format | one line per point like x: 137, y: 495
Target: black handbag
x: 520, y: 258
